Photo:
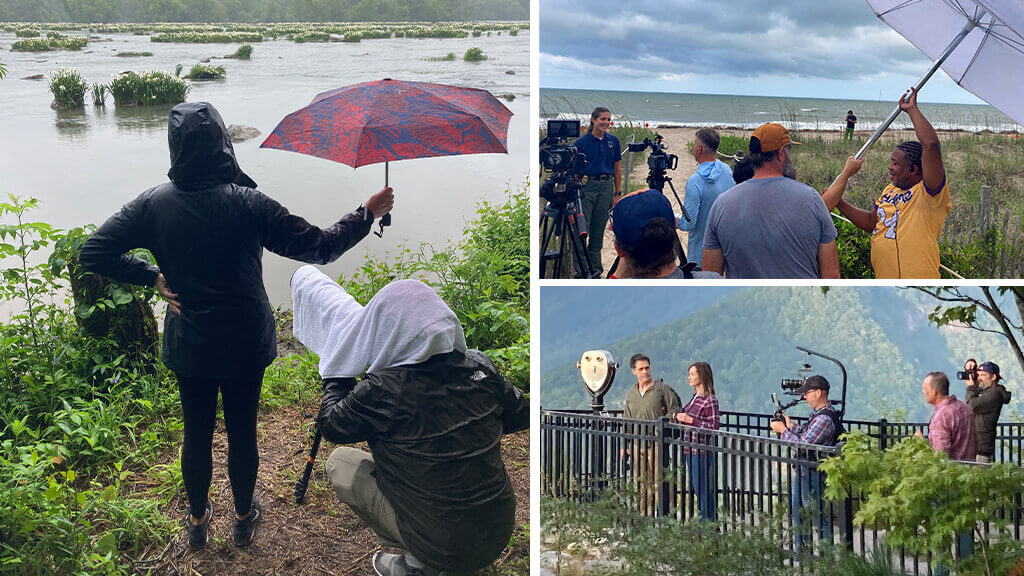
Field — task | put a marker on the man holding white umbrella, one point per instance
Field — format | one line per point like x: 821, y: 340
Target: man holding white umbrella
x: 907, y: 218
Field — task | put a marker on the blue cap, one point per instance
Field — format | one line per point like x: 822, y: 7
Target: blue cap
x: 633, y: 212
x: 990, y: 367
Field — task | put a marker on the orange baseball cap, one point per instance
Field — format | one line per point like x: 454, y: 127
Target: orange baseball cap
x: 769, y: 138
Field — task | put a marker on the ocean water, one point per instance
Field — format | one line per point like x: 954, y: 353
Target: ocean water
x: 748, y: 112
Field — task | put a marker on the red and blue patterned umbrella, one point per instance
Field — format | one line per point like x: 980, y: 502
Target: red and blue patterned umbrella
x: 391, y: 120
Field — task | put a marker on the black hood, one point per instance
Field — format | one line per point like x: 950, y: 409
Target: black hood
x: 201, y: 151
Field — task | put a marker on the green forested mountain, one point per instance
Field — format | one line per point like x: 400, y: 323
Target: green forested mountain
x: 261, y: 10
x: 880, y: 334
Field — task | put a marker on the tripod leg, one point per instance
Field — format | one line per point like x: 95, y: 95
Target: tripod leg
x: 547, y: 231
x: 303, y: 483
x: 579, y: 250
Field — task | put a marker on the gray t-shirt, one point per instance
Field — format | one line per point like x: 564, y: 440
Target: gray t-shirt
x: 769, y: 228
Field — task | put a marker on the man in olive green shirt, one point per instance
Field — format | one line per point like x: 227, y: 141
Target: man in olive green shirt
x: 647, y: 400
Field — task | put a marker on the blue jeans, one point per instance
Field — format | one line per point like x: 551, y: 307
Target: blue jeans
x: 805, y: 499
x: 703, y: 482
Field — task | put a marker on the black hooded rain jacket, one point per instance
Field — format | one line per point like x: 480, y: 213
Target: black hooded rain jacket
x: 207, y: 229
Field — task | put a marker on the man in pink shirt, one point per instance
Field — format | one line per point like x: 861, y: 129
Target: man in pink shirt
x: 951, y: 429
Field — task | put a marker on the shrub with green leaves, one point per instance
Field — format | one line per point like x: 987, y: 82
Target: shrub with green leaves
x: 26, y: 33
x: 68, y: 88
x: 311, y: 37
x: 244, y: 52
x: 450, y: 57
x: 474, y: 54
x: 50, y: 44
x: 352, y: 37
x: 923, y: 498
x: 205, y: 72
x: 148, y: 88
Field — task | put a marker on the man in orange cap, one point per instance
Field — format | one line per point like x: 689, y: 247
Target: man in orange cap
x: 771, y: 226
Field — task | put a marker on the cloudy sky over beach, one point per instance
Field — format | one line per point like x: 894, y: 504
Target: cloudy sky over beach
x: 790, y: 48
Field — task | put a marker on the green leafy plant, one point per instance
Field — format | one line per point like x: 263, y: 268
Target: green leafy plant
x: 148, y: 88
x: 133, y: 54
x: 68, y: 88
x: 244, y: 52
x: 204, y: 72
x: 923, y: 498
x: 450, y: 57
x: 474, y: 54
x: 99, y: 94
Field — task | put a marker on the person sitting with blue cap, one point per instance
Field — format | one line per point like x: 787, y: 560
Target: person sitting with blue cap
x: 646, y: 241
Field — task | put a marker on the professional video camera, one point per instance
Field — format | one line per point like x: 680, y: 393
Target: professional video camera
x: 563, y: 215
x: 658, y: 162
x: 789, y: 385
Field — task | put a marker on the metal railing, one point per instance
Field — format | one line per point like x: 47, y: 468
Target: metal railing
x: 739, y: 475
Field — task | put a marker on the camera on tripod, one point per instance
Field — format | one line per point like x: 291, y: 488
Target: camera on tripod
x: 658, y: 162
x: 563, y: 216
x: 563, y: 160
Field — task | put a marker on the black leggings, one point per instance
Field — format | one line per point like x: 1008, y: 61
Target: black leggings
x: 241, y: 397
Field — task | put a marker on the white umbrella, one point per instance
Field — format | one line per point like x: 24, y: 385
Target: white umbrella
x: 978, y: 43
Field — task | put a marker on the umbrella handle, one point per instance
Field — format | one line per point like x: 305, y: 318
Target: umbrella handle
x: 971, y: 24
x: 385, y: 220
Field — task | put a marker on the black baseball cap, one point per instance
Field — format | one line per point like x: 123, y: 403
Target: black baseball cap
x: 813, y: 383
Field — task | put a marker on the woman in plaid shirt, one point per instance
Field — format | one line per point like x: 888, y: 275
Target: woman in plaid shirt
x: 702, y: 411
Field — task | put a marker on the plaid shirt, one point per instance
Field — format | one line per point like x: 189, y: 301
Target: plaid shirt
x: 818, y: 428
x: 704, y: 410
x: 951, y: 429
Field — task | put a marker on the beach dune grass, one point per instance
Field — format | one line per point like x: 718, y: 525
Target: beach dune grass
x: 204, y: 72
x: 68, y: 88
x: 147, y: 89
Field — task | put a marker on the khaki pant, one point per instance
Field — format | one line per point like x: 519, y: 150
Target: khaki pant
x: 351, y: 473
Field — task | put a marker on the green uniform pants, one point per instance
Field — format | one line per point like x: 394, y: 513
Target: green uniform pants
x: 597, y: 201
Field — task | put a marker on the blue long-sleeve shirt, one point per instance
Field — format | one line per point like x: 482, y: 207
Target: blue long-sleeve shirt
x: 710, y: 180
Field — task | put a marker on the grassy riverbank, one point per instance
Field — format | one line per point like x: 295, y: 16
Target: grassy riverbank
x: 90, y: 433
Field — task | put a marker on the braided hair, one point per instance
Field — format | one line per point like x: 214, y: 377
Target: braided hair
x: 913, y: 151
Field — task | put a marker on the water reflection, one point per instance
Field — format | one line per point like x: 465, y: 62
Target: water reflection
x: 73, y: 125
x: 141, y: 119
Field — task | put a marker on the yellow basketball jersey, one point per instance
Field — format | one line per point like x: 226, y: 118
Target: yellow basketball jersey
x: 905, y: 242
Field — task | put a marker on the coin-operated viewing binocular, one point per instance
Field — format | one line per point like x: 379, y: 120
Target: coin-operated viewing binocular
x: 598, y: 371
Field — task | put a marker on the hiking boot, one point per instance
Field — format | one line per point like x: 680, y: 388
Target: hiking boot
x: 385, y: 564
x: 244, y: 529
x: 198, y: 534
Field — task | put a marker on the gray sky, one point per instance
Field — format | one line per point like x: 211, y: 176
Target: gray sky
x: 806, y: 48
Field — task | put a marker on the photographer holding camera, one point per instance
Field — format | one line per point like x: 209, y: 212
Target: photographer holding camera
x: 986, y: 397
x: 823, y: 427
x: 432, y: 411
x: 604, y: 178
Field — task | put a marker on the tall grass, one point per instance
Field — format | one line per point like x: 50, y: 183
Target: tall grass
x: 99, y: 94
x: 68, y: 88
x: 148, y: 88
x: 450, y: 57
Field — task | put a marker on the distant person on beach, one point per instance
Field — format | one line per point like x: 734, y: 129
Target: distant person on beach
x: 907, y: 218
x: 646, y: 242
x: 702, y: 189
x: 432, y: 411
x: 771, y: 226
x: 207, y: 228
x: 604, y: 181
x: 986, y: 397
x: 851, y: 121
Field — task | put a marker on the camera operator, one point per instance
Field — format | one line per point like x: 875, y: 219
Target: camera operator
x: 604, y: 178
x: 432, y: 411
x: 646, y: 240
x: 823, y: 428
x: 986, y: 397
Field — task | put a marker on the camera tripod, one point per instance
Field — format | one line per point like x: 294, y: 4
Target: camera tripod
x: 559, y: 220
